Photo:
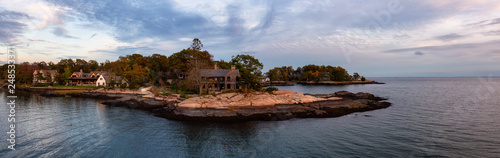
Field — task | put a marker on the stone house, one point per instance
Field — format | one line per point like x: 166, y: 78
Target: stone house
x: 220, y: 79
x: 45, y: 74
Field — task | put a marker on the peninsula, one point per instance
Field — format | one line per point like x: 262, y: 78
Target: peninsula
x: 243, y: 107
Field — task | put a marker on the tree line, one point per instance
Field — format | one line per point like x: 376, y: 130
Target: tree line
x: 311, y: 73
x: 156, y: 69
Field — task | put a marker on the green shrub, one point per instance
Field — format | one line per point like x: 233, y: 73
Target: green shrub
x: 363, y: 78
x: 183, y: 96
x: 186, y: 92
x: 270, y: 90
x: 41, y: 85
x: 123, y: 86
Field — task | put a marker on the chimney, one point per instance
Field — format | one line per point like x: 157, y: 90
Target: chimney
x: 233, y: 67
x: 215, y: 66
x: 81, y: 71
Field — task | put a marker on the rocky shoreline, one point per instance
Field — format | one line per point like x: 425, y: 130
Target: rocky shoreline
x: 237, y: 107
x: 314, y: 106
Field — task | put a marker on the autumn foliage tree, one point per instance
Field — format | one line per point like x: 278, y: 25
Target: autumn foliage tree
x: 309, y: 73
x: 250, y: 71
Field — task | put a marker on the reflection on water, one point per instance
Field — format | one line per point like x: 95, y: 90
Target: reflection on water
x: 452, y: 117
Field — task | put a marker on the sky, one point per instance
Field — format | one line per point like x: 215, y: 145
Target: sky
x: 376, y: 38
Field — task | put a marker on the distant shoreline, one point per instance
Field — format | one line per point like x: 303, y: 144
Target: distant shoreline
x: 338, y: 82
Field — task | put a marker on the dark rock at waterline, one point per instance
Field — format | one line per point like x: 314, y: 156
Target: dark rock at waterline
x: 51, y: 94
x: 144, y: 104
x: 82, y: 95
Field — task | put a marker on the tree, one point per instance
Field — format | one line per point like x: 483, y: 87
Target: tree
x: 112, y: 83
x: 194, y: 78
x: 80, y: 64
x: 159, y: 68
x: 250, y: 71
x: 24, y: 72
x: 196, y: 45
x: 341, y: 74
x: 51, y: 65
x: 356, y: 76
x: 41, y: 65
x: 61, y: 79
x: 223, y: 64
x: 39, y: 77
x: 180, y: 60
x: 136, y: 75
x: 48, y: 76
x: 92, y: 65
x: 273, y: 74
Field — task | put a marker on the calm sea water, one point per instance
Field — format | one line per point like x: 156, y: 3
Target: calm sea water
x: 436, y: 117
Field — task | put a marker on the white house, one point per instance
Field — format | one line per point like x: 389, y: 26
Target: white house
x: 104, y: 80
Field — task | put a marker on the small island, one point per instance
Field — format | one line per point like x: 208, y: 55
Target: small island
x: 243, y: 107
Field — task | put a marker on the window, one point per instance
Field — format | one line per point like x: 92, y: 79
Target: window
x: 228, y: 86
x: 228, y: 79
x: 100, y: 78
x: 215, y: 85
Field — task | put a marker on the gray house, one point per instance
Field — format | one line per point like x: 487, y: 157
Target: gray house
x: 220, y: 79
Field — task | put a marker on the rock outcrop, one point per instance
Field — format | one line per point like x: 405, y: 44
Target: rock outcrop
x: 283, y: 105
x: 231, y: 100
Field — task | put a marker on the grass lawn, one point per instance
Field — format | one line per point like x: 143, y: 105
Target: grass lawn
x: 61, y: 86
x: 69, y: 92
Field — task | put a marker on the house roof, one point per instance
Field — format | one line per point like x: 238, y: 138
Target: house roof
x: 108, y: 78
x: 216, y: 73
x: 87, y: 75
x: 52, y: 72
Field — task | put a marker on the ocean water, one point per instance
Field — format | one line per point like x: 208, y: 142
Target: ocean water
x: 429, y: 117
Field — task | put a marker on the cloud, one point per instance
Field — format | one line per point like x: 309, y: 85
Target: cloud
x: 72, y: 57
x: 249, y: 52
x: 93, y: 35
x: 449, y: 37
x: 419, y: 53
x: 62, y: 32
x: 12, y: 25
x: 484, y: 23
x: 131, y: 50
x: 134, y: 21
x: 494, y: 21
x: 484, y: 49
x: 491, y: 33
